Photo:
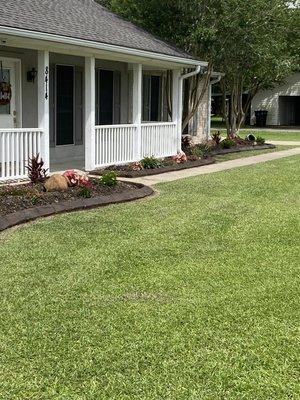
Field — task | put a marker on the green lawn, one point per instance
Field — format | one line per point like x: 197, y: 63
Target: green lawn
x: 192, y: 294
x: 280, y: 135
x: 233, y: 156
x: 293, y: 136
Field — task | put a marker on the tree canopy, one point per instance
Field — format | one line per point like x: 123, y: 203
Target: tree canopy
x: 254, y: 43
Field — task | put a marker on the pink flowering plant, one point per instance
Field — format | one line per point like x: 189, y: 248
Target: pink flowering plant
x: 180, y: 158
x: 76, y: 179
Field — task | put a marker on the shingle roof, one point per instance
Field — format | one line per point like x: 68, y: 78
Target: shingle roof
x: 81, y: 19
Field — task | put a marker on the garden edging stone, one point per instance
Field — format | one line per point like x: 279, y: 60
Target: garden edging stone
x: 31, y: 214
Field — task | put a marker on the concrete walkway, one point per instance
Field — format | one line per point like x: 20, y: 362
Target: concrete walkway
x: 209, y: 169
x: 284, y: 142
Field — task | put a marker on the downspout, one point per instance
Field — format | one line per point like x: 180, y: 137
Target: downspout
x: 181, y: 79
x: 213, y: 82
x: 193, y: 73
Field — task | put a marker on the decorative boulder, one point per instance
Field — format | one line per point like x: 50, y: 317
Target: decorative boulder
x: 56, y: 182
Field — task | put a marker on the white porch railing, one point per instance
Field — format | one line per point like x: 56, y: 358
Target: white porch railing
x: 121, y: 144
x: 115, y: 144
x: 159, y: 139
x: 16, y: 147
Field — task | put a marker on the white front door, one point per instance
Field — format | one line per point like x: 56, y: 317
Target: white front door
x: 8, y: 113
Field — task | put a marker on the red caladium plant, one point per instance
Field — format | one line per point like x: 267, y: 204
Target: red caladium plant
x: 36, y: 171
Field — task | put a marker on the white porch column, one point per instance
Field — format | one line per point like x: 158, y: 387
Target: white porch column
x: 43, y: 103
x: 137, y: 105
x: 90, y: 104
x: 177, y: 105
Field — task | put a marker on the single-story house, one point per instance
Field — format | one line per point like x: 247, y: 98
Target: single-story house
x: 84, y: 88
x: 282, y: 103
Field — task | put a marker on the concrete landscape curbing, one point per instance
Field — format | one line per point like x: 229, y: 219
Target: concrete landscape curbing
x: 31, y: 214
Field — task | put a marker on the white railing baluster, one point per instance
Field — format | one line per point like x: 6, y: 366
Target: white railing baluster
x: 7, y: 172
x: 16, y: 147
x: 114, y: 144
x: 17, y: 150
x: 117, y: 144
x: 158, y: 139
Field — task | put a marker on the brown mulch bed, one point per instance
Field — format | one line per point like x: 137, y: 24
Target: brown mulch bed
x: 124, y: 172
x: 20, y: 197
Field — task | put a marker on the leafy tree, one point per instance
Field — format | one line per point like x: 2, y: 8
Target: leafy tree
x: 251, y: 42
x: 105, y: 3
x: 171, y: 21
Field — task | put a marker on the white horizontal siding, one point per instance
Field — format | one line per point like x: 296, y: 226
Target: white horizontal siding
x: 269, y: 99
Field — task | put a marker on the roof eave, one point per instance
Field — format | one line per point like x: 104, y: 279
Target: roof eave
x: 99, y: 46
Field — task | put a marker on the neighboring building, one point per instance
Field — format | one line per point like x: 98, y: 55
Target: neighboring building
x: 87, y: 88
x: 282, y: 103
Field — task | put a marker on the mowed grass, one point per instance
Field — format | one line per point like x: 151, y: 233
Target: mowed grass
x: 192, y: 294
x: 273, y: 136
x: 250, y: 153
x: 290, y: 136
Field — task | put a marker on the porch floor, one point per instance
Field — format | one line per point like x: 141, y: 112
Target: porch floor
x: 67, y: 164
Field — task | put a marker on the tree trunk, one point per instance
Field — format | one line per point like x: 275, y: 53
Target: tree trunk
x: 236, y: 115
x: 237, y: 112
x: 194, y: 95
x: 225, y: 109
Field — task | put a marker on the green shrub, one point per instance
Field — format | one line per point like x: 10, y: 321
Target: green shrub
x: 85, y: 191
x: 260, y: 140
x: 227, y: 143
x: 151, y: 163
x: 196, y: 152
x: 109, y: 179
x: 35, y: 200
x: 201, y: 150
